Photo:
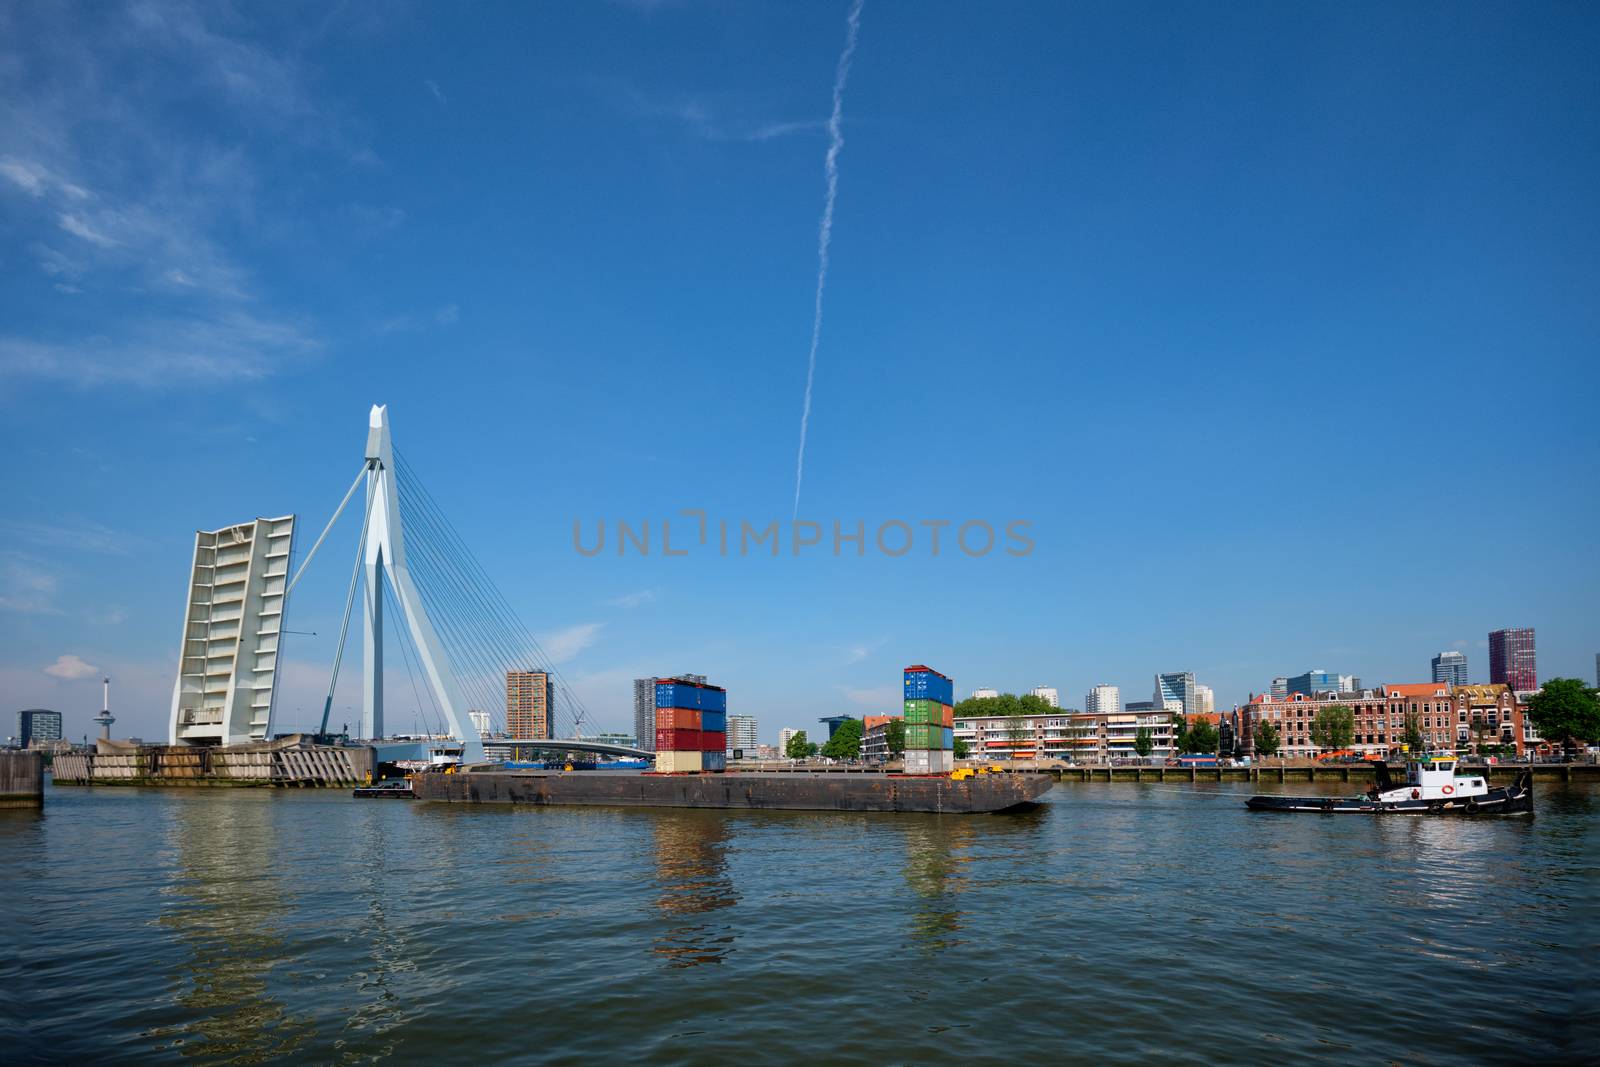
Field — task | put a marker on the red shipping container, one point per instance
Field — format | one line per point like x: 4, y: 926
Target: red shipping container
x: 678, y: 740
x: 713, y: 741
x: 677, y: 719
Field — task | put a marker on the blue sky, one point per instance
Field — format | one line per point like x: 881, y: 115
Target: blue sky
x: 1277, y: 323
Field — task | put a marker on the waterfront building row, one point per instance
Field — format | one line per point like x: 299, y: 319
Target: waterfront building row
x: 1447, y: 718
x: 1085, y: 737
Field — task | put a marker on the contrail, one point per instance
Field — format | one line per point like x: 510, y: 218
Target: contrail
x: 825, y: 231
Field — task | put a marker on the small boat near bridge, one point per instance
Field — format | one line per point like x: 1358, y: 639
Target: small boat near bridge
x: 1431, y: 787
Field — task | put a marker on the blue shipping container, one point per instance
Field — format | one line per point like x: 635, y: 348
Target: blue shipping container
x: 949, y: 737
x: 925, y: 685
x: 714, y: 761
x: 676, y: 695
x: 714, y: 720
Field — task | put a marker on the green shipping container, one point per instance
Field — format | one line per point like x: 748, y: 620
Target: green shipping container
x: 922, y: 735
x: 923, y: 713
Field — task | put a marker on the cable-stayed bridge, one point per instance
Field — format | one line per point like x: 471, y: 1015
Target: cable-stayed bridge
x: 457, y: 635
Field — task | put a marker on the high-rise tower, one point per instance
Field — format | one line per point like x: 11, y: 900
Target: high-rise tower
x: 1511, y: 659
x: 105, y: 719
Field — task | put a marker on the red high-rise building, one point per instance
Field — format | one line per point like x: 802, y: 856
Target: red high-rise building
x: 1511, y: 660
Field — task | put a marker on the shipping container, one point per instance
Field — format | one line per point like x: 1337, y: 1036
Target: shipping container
x: 675, y: 693
x: 713, y: 761
x: 929, y: 761
x: 678, y: 762
x: 924, y: 683
x: 713, y: 720
x: 678, y: 740
x: 713, y: 741
x: 927, y: 735
x: 928, y: 711
x: 679, y: 719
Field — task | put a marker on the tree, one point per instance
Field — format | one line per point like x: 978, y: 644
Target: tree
x: 845, y: 742
x: 1200, y: 737
x: 1413, y: 738
x: 1142, y: 744
x: 1564, y: 711
x: 894, y: 736
x: 1266, y: 739
x: 799, y: 747
x: 960, y: 748
x: 1333, y: 728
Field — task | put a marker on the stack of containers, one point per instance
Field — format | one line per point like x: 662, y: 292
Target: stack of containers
x: 930, y: 721
x: 691, y: 726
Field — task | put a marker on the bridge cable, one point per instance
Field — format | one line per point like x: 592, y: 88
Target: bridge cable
x: 349, y: 603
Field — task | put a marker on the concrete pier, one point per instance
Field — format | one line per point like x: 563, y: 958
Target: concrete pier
x: 21, y: 779
x: 286, y: 762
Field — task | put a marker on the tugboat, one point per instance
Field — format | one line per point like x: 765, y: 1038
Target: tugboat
x: 1432, y: 787
x: 393, y: 788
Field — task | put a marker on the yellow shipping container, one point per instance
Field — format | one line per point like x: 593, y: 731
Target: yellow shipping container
x: 677, y: 762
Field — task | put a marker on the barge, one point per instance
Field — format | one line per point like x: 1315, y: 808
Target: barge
x: 756, y: 790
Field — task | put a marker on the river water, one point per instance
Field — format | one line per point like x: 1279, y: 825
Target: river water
x: 1124, y: 923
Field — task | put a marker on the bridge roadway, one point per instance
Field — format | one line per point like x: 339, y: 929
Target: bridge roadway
x: 410, y: 749
x: 601, y: 748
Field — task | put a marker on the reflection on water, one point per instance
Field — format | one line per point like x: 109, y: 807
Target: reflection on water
x: 692, y: 885
x: 224, y: 904
x: 937, y: 848
x: 379, y: 1010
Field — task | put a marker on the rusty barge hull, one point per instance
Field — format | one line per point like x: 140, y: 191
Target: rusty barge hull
x: 793, y: 792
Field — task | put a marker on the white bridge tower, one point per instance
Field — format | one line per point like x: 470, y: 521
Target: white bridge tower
x: 384, y: 554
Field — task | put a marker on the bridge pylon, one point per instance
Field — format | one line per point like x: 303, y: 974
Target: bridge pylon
x: 384, y: 559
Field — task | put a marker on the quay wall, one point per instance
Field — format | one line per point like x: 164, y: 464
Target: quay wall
x: 21, y: 779
x: 1337, y: 772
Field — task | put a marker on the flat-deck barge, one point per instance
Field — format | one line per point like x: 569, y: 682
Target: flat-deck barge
x: 794, y: 792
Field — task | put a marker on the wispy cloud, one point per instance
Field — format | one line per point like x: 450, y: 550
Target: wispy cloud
x: 113, y: 195
x: 76, y: 537
x: 26, y: 587
x: 433, y: 87
x: 565, y: 645
x: 885, y: 699
x: 79, y: 227
x: 711, y: 122
x: 447, y: 315
x: 71, y: 669
x: 632, y: 600
x: 164, y: 353
x: 825, y: 230
x: 862, y: 649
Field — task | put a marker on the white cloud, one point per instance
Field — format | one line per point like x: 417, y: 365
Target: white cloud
x: 564, y: 645
x: 632, y: 600
x: 71, y: 668
x: 433, y: 87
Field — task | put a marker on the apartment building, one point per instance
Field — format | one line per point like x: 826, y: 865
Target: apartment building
x: 1084, y: 737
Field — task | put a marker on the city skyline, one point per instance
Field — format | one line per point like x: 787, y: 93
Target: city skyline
x: 222, y: 243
